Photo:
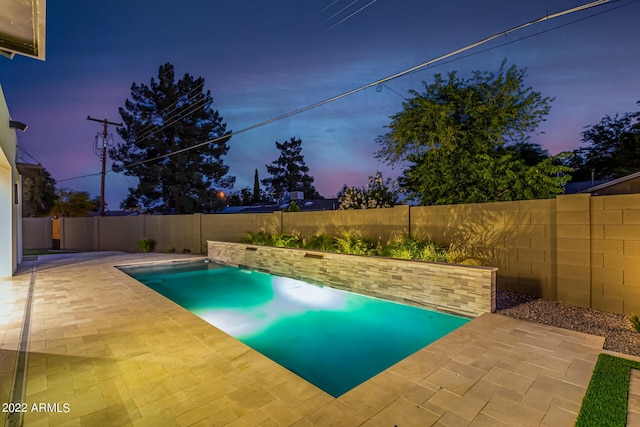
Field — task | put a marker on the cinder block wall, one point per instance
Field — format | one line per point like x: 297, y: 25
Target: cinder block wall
x: 120, y: 233
x: 80, y: 234
x: 36, y: 233
x: 615, y: 253
x: 465, y: 290
x: 377, y: 224
x: 234, y: 227
x: 517, y: 237
x: 580, y: 249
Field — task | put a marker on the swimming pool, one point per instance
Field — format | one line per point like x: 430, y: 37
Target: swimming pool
x: 332, y: 338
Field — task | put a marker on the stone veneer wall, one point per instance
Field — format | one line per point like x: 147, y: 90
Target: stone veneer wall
x: 465, y: 290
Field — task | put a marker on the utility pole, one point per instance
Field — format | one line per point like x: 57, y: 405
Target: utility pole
x: 106, y: 123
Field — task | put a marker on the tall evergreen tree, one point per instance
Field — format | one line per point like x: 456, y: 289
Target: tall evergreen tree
x: 289, y: 172
x: 256, y: 197
x: 162, y: 123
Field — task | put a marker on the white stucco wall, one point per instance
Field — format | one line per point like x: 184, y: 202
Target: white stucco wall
x: 10, y: 208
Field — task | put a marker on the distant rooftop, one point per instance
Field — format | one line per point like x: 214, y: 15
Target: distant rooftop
x: 305, y: 206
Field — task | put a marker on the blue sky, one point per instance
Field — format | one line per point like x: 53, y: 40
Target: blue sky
x: 263, y: 59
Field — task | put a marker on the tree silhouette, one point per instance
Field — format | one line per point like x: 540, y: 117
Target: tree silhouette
x: 166, y: 128
x: 289, y: 172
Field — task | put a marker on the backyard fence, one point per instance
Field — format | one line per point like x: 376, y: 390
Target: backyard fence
x: 579, y: 249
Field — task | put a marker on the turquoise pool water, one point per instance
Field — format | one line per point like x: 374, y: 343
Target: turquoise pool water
x: 332, y: 338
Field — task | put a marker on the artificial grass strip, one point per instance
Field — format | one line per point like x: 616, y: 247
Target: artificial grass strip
x: 607, y: 398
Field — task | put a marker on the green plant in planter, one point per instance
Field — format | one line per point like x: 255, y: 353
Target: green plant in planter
x: 284, y: 240
x: 146, y: 245
x: 204, y: 249
x: 171, y: 249
x: 320, y: 242
x: 635, y: 322
x: 186, y: 251
x: 259, y: 238
x: 354, y: 244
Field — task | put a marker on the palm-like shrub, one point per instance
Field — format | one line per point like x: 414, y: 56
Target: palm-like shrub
x: 320, y: 242
x: 354, y: 244
x: 407, y: 247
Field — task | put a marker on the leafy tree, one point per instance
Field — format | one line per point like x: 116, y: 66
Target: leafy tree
x: 38, y: 194
x: 242, y: 198
x: 378, y: 193
x: 73, y: 203
x: 467, y: 141
x: 613, y: 148
x: 162, y: 123
x: 289, y: 172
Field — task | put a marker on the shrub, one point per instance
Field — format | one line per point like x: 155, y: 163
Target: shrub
x: 404, y: 248
x: 320, y: 242
x: 171, y: 249
x: 293, y: 207
x: 284, y: 240
x: 146, y: 245
x: 354, y: 244
x: 407, y: 247
x: 259, y: 238
x: 432, y: 252
x: 186, y: 251
x: 635, y: 322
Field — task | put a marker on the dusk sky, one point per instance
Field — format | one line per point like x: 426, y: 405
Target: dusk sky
x: 263, y: 59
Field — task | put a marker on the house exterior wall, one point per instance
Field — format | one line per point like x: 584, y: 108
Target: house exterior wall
x: 10, y: 196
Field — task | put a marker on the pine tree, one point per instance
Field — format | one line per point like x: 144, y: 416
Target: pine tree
x: 161, y: 123
x: 289, y: 172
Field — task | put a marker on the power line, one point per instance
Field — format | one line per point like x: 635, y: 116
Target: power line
x: 380, y: 81
x: 341, y: 10
x: 173, y: 106
x: 354, y: 13
x: 25, y: 152
x: 191, y: 109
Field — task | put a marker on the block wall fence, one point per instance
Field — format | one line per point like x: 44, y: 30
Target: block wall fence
x: 579, y: 249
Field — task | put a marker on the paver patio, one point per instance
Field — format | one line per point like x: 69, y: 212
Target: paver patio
x: 120, y: 354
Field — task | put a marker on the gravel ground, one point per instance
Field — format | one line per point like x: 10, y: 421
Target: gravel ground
x: 616, y: 328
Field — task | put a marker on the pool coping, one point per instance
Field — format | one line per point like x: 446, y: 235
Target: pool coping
x: 157, y: 362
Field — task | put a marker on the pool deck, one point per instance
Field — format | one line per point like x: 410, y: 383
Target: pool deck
x: 120, y: 354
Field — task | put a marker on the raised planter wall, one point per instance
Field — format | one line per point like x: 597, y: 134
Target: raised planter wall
x: 464, y: 290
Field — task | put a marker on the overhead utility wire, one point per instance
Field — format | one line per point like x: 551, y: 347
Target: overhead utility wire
x: 171, y: 107
x: 361, y: 88
x: 25, y: 152
x: 354, y: 13
x: 327, y: 7
x: 469, y: 55
x: 171, y: 120
x: 381, y: 81
x: 346, y: 7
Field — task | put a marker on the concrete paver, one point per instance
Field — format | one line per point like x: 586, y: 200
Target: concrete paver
x: 118, y: 353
